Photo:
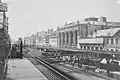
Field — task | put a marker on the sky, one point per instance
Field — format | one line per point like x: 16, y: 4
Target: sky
x: 27, y: 17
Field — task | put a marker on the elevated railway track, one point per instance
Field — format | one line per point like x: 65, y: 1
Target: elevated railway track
x: 50, y: 72
x: 60, y: 53
x: 60, y: 67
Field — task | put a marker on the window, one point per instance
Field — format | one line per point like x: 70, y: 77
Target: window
x: 116, y: 40
x: 100, y: 48
x: 107, y: 41
x: 84, y: 47
x: 96, y: 48
x: 112, y: 41
x: 112, y: 49
x: 92, y: 48
x: 81, y: 47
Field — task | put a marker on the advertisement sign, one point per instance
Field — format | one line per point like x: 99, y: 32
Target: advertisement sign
x: 3, y: 7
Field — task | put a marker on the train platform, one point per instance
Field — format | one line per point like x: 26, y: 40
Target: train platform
x: 22, y: 69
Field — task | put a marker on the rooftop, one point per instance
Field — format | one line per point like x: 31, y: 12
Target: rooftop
x: 107, y: 32
x: 91, y: 41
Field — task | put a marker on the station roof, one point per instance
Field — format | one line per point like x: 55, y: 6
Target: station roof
x: 91, y: 41
x: 79, y: 50
x: 107, y: 32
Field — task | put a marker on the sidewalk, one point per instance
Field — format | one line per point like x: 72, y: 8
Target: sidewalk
x: 22, y: 69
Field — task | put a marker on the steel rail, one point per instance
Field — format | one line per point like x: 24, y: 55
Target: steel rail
x: 53, y: 70
x: 60, y: 75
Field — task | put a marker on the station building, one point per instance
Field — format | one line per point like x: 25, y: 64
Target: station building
x: 108, y: 40
x: 69, y: 34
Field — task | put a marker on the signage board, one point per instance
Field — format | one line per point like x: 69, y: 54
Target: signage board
x: 3, y: 7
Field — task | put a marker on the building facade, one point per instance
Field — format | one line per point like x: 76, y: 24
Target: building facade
x: 69, y: 34
x: 42, y: 38
x: 53, y: 39
x: 53, y: 42
x: 107, y: 40
x: 26, y: 40
x: 31, y: 40
x: 91, y: 43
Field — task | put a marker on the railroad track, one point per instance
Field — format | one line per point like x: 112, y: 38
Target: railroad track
x: 51, y: 72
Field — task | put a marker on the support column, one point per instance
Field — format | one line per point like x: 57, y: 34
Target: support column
x: 109, y: 40
x: 114, y: 40
x: 75, y: 38
x: 59, y: 39
x: 65, y: 38
x: 69, y: 39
